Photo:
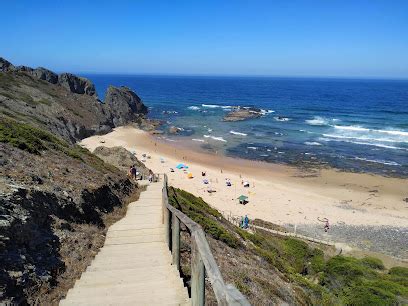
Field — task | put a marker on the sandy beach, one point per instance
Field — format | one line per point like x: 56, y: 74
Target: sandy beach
x: 280, y: 194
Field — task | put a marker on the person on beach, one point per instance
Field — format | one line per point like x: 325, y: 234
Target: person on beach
x: 133, y: 172
x: 326, y: 226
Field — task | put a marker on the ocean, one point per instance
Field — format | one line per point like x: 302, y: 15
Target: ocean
x: 352, y: 125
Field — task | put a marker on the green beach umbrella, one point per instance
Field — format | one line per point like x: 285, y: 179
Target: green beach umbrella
x: 242, y: 198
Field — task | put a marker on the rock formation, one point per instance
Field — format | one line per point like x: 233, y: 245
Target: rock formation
x: 46, y: 75
x: 243, y: 113
x: 65, y: 104
x: 77, y: 84
x: 5, y: 65
x: 123, y: 105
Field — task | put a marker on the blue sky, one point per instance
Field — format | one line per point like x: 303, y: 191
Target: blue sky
x: 283, y: 38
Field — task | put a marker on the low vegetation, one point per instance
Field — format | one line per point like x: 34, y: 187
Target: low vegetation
x: 36, y: 141
x: 324, y: 280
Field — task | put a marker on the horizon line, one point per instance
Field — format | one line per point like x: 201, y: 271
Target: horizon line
x: 385, y: 78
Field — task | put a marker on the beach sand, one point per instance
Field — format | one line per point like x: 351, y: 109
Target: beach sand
x: 278, y: 193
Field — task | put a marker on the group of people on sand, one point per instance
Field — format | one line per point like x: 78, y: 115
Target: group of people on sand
x: 133, y: 173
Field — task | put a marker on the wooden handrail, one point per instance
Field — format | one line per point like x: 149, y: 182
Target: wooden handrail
x: 202, y: 261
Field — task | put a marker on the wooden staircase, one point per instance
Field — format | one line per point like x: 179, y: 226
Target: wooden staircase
x: 134, y: 267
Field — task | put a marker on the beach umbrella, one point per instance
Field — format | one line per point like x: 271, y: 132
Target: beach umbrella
x: 242, y: 199
x: 181, y: 166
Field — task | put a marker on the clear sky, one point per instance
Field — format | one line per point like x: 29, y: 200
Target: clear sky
x: 350, y: 38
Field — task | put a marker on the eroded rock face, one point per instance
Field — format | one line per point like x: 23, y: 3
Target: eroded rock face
x: 77, y: 84
x: 123, y: 105
x: 68, y: 105
x: 46, y: 75
x: 5, y: 65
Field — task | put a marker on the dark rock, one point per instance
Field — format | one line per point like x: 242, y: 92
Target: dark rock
x: 123, y: 105
x: 45, y: 74
x: 24, y: 69
x: 5, y: 65
x: 77, y: 84
x: 243, y: 113
x: 175, y: 130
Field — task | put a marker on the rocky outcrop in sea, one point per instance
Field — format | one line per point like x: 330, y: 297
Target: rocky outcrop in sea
x: 243, y: 113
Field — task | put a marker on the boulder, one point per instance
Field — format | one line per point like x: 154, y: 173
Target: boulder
x: 122, y: 105
x: 77, y: 84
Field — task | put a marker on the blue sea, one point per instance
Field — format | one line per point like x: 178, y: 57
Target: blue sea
x: 352, y: 125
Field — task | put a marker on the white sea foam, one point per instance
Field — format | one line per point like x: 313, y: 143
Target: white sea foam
x: 252, y: 148
x: 283, y: 119
x: 363, y: 129
x: 238, y: 133
x: 267, y: 111
x: 312, y: 143
x: 368, y: 138
x: 199, y: 140
x: 380, y: 145
x: 384, y: 162
x: 216, y: 106
x: 317, y: 120
x: 193, y: 107
x: 215, y: 138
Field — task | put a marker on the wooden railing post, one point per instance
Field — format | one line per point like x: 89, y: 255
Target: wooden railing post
x: 202, y: 260
x: 175, y: 241
x: 197, y: 275
x: 166, y: 213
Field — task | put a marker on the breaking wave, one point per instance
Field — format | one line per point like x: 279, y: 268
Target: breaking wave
x: 238, y: 133
x: 215, y: 138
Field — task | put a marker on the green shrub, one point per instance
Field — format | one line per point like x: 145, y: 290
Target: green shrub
x: 26, y: 137
x: 317, y: 262
x: 367, y: 295
x: 199, y: 211
x: 373, y: 262
x: 399, y: 271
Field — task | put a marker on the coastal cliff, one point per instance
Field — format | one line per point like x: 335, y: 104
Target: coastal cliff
x: 56, y: 198
x: 65, y: 104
